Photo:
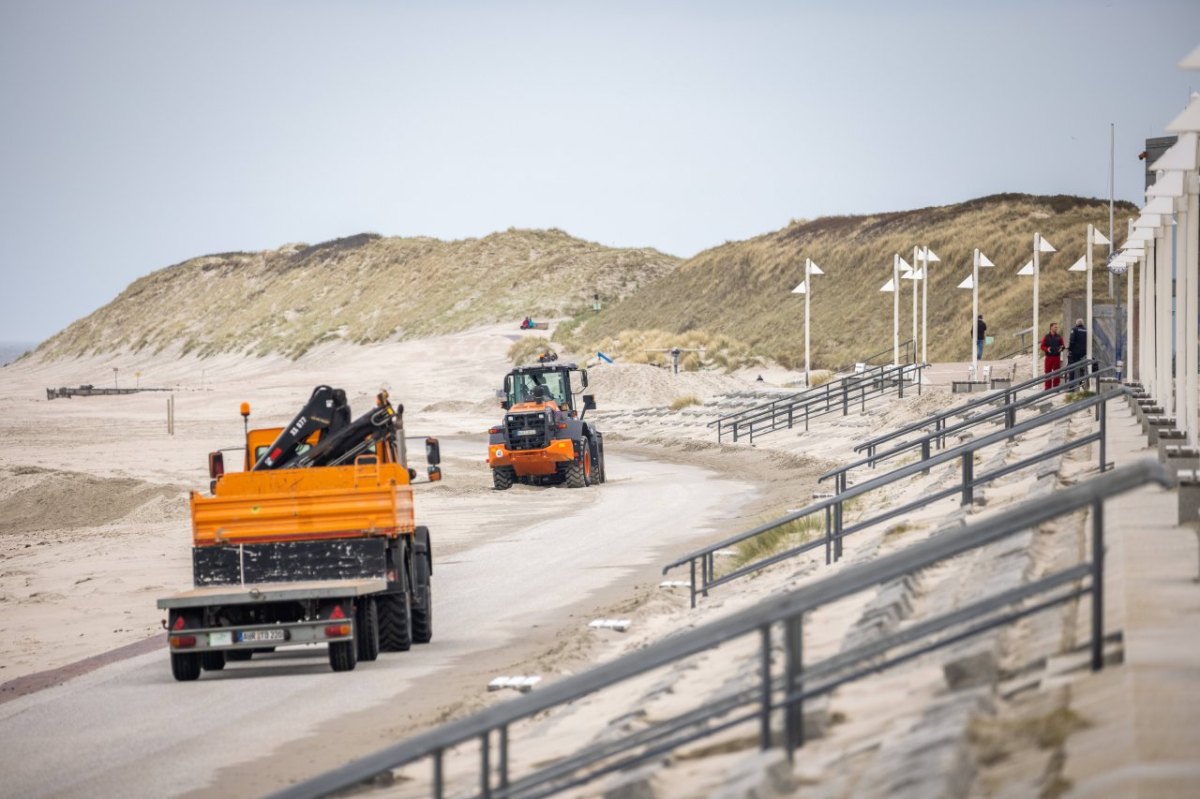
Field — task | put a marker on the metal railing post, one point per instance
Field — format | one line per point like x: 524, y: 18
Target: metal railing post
x: 1103, y: 410
x: 837, y: 531
x: 1098, y: 584
x: 439, y: 778
x: 693, y: 562
x: 485, y: 781
x: 504, y: 756
x: 828, y: 537
x: 764, y: 723
x: 793, y: 708
x: 968, y: 477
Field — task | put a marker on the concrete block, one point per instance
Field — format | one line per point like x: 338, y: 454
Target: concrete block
x: 1108, y: 385
x: 1155, y: 424
x: 1176, y: 458
x: 967, y: 386
x: 1001, y: 382
x: 971, y: 668
x: 1169, y: 438
x: 1189, y: 495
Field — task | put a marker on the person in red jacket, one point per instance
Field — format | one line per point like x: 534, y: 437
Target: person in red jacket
x: 1052, y: 347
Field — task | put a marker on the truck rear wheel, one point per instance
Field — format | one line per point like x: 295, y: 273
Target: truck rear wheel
x: 343, y: 655
x: 422, y: 612
x: 367, y: 634
x: 212, y: 661
x: 185, y: 666
x: 503, y: 477
x: 580, y: 469
x: 395, y: 622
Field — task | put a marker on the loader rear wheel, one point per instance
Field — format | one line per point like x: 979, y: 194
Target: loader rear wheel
x: 367, y: 633
x: 212, y: 661
x: 395, y: 622
x: 422, y: 612
x: 343, y: 655
x: 503, y: 478
x: 578, y: 470
x: 185, y: 666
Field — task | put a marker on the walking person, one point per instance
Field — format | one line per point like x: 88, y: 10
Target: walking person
x: 1077, y: 349
x: 980, y: 337
x: 1052, y: 347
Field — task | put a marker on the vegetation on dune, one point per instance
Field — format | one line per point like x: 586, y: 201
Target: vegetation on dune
x: 742, y: 289
x: 361, y: 289
x: 732, y: 301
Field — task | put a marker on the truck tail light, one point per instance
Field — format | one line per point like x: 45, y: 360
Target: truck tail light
x: 183, y: 641
x: 337, y: 630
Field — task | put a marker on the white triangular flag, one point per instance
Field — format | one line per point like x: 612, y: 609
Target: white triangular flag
x: 930, y: 256
x: 813, y: 269
x: 1027, y: 269
x: 1099, y: 238
x: 801, y: 289
x: 888, y: 286
x: 1079, y: 266
x: 904, y: 264
x: 969, y: 283
x: 1045, y: 246
x: 984, y: 260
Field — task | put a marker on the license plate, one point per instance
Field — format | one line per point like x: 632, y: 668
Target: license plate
x: 527, y: 432
x: 220, y: 639
x: 258, y: 636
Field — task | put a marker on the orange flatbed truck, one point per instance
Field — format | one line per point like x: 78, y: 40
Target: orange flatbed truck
x: 314, y: 542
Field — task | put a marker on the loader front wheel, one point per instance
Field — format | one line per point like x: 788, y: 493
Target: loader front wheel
x: 579, y: 470
x: 503, y: 477
x: 395, y: 622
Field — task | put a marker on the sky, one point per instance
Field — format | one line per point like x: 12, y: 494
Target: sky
x: 137, y: 135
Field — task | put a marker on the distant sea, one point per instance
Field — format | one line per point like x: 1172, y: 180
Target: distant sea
x: 11, y: 350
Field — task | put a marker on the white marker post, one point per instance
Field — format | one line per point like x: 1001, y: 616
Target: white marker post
x: 928, y: 256
x: 1084, y: 264
x: 977, y: 260
x: 893, y: 286
x: 1040, y: 246
x: 805, y: 288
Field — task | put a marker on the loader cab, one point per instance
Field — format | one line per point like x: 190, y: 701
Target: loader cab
x: 537, y: 384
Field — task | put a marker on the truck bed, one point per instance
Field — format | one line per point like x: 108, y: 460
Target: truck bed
x: 305, y: 505
x: 271, y: 592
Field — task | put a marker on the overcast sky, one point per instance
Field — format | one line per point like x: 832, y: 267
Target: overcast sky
x: 139, y: 134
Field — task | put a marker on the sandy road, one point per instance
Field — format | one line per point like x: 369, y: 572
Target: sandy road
x: 501, y: 584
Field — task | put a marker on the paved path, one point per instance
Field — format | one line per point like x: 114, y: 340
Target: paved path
x: 1143, y: 738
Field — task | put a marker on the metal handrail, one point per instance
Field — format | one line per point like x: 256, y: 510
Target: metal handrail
x: 1004, y: 395
x: 1008, y: 411
x: 833, y: 507
x: 908, y: 347
x: 797, y: 396
x: 793, y: 410
x: 776, y: 692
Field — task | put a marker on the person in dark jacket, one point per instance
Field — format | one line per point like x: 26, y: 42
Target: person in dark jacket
x: 1077, y: 348
x: 1052, y: 347
x: 980, y: 337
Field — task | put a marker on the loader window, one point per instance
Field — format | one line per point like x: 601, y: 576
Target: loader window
x: 555, y: 383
